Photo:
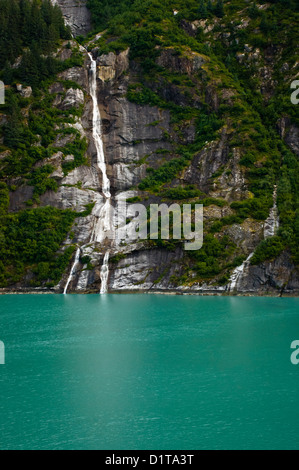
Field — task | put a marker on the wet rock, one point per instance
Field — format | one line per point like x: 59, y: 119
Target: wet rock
x: 73, y: 99
x: 76, y: 15
x: 76, y: 74
x: 18, y: 198
x: 112, y: 66
x: 272, y: 277
x: 25, y: 92
x: 186, y: 61
x: 62, y: 140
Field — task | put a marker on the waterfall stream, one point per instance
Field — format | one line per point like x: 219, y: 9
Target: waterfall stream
x: 97, y: 128
x: 270, y: 228
x: 105, y: 273
x: 76, y: 261
x: 238, y: 274
x: 272, y: 222
x: 103, y: 226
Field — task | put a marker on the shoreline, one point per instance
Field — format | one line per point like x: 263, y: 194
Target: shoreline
x: 210, y: 293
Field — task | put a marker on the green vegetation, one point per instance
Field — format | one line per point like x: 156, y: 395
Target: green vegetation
x: 211, y: 260
x: 32, y: 237
x: 180, y: 193
x: 164, y: 173
x: 225, y: 86
x: 268, y: 250
x: 36, y: 27
x: 40, y: 180
x: 150, y: 27
x: 116, y: 258
x: 104, y: 10
x: 77, y: 148
x: 30, y: 240
x: 132, y: 200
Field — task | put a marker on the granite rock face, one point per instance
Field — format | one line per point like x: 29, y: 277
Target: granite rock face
x: 135, y: 137
x: 76, y: 15
x: 272, y: 277
x: 132, y: 136
x: 128, y: 135
x: 290, y: 133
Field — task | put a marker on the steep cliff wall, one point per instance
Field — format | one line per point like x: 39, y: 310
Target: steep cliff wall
x: 133, y: 138
x: 181, y: 130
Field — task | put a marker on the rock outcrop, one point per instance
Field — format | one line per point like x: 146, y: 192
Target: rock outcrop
x: 76, y: 15
x: 140, y: 137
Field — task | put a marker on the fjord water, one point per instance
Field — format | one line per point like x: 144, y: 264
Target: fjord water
x: 150, y: 372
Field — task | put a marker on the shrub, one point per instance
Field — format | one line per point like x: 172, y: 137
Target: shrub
x: 267, y: 250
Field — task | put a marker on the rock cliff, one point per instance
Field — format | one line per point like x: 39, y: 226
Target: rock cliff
x: 146, y: 125
x: 129, y: 135
x: 76, y: 15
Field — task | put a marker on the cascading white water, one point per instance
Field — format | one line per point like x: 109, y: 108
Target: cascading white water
x: 272, y: 222
x: 103, y: 226
x: 76, y: 261
x: 105, y: 273
x: 97, y: 128
x: 270, y: 228
x: 238, y: 273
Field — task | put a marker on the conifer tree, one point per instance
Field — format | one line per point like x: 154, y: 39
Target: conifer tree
x: 209, y: 6
x: 202, y: 10
x: 219, y: 10
x: 27, y: 22
x: 13, y: 129
x: 30, y: 67
x: 253, y: 11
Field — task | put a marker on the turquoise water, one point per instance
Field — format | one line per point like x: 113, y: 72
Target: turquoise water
x: 148, y: 372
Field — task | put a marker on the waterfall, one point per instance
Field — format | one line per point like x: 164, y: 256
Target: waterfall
x: 270, y: 227
x: 272, y: 222
x: 76, y: 261
x: 97, y: 128
x: 102, y: 213
x: 238, y: 274
x: 105, y: 273
x: 103, y: 225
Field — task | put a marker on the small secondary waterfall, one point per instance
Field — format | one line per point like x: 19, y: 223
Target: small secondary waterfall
x: 270, y: 228
x: 238, y: 273
x: 272, y: 222
x: 103, y: 226
x: 76, y: 261
x: 105, y: 273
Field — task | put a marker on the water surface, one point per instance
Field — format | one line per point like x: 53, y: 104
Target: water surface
x: 148, y: 372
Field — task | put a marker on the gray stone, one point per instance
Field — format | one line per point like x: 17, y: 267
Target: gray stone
x: 73, y: 99
x: 76, y: 15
